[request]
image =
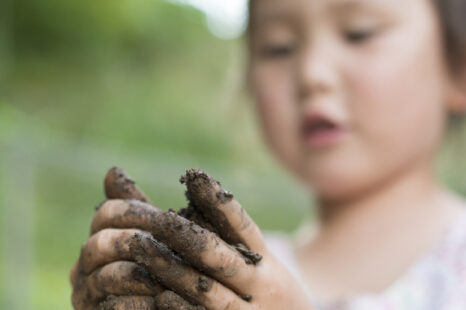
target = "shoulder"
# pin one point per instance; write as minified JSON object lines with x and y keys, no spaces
{"x":448,"y":263}
{"x":452,"y":249}
{"x":451,"y":252}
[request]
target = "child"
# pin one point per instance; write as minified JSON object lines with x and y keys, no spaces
{"x":354,"y":98}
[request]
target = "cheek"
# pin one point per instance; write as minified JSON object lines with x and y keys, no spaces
{"x":274,"y":95}
{"x":397,"y":101}
{"x":396,"y":105}
{"x":397,"y":110}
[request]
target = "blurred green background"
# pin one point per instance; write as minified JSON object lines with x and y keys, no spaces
{"x":142,"y":84}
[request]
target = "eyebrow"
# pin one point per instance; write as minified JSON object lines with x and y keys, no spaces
{"x":274,"y":17}
{"x":271,"y":18}
{"x":351,"y":5}
{"x":335,"y":7}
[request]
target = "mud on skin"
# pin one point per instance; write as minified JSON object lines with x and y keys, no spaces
{"x":201,"y":187}
{"x":191,"y":238}
{"x":205,"y":195}
{"x":118,"y":185}
{"x":171,"y":301}
{"x":128,"y":302}
{"x":168,"y":268}
{"x":192,"y":214}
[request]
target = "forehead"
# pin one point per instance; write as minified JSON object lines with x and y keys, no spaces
{"x":264,"y":10}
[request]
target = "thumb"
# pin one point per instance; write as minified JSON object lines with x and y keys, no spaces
{"x":220,"y":208}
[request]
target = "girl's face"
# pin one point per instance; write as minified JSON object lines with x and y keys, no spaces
{"x":350,"y":92}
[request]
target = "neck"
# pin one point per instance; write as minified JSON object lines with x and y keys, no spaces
{"x":363,"y":244}
{"x":405,"y":195}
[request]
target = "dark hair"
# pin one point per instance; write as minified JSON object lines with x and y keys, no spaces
{"x":452,"y":15}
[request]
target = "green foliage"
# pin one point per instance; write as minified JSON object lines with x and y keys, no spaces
{"x":137,"y":83}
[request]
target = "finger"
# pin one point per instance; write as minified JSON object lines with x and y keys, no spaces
{"x":225,"y":213}
{"x":74,"y":273}
{"x":118,"y":213}
{"x":173,"y":273}
{"x":105,"y":246}
{"x":204,"y":250}
{"x":118,"y":185}
{"x":200,"y":247}
{"x":192,"y":214}
{"x":128,"y":303}
{"x":122,"y":278}
{"x":124,"y":214}
{"x":168,"y":300}
{"x":118,"y":278}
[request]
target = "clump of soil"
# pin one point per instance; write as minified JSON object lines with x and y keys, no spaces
{"x":192,"y":214}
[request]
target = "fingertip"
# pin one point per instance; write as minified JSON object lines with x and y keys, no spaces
{"x":220,"y":208}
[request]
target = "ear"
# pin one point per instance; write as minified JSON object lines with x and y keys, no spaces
{"x":457,"y":92}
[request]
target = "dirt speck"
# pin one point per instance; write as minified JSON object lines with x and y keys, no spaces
{"x":247,"y":298}
{"x":250,"y":257}
{"x":224,"y":196}
{"x":204,"y":284}
{"x":168,"y":300}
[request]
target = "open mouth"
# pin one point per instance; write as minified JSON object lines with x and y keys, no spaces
{"x":320,"y":131}
{"x":319,"y":125}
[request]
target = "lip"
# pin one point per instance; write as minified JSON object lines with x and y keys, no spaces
{"x":320,"y":131}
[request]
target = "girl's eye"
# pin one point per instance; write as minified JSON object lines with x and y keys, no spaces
{"x":359,"y":36}
{"x":277,"y":51}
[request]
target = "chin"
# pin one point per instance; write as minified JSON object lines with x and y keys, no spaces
{"x":332,"y":190}
{"x":334,"y":183}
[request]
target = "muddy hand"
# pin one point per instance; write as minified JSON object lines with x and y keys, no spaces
{"x":92,"y":283}
{"x":103,"y":270}
{"x":144,"y":246}
{"x":268,"y":285}
{"x":192,"y":240}
{"x":227,"y":278}
{"x":107,"y":266}
{"x":219,"y":207}
{"x":118,"y":185}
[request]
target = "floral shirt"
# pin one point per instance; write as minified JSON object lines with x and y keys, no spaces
{"x":437,"y":281}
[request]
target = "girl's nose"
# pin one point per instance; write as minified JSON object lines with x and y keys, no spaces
{"x":316,"y":70}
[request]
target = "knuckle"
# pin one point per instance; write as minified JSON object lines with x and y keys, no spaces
{"x":248,"y":227}
{"x":230,"y":265}
{"x":102,"y":239}
{"x":102,"y":215}
{"x":107,"y":209}
{"x":232,"y":305}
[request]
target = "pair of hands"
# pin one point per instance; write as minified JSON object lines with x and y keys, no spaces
{"x":139,"y":257}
